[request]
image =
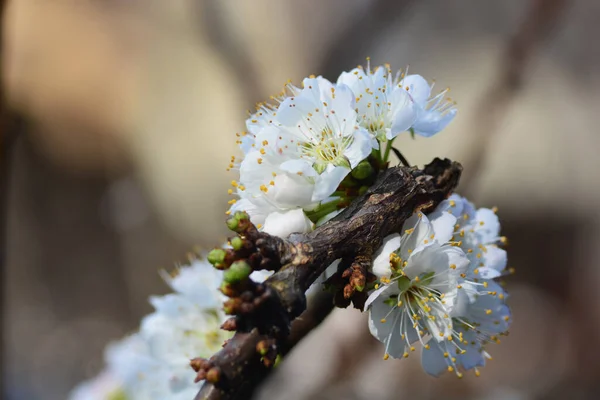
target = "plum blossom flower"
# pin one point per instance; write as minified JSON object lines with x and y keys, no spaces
{"x":384,"y":107}
{"x":153,"y":363}
{"x":311,"y":145}
{"x":436,"y":288}
{"x":298,"y":152}
{"x":477,"y":232}
{"x":285,"y":223}
{"x":419,"y":294}
{"x":103,"y":387}
{"x":391,"y":103}
{"x":433,"y":113}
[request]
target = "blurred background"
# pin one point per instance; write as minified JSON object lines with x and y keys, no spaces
{"x":118,"y":123}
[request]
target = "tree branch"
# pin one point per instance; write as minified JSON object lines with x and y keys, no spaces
{"x":263,"y":313}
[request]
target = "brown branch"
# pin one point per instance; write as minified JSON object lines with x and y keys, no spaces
{"x":264,"y":312}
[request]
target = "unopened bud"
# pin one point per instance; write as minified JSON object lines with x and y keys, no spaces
{"x":237,"y":243}
{"x":230,"y":307}
{"x":362,"y":190}
{"x":235,"y":223}
{"x":213,"y":375}
{"x":349,"y":182}
{"x":232,"y":224}
{"x":198,"y":363}
{"x":216,"y":256}
{"x":238,"y":272}
{"x":241,"y":215}
{"x":227,"y":290}
{"x":363,"y":170}
{"x":230,"y":324}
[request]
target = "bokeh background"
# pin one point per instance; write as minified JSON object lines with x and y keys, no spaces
{"x":118,"y":123}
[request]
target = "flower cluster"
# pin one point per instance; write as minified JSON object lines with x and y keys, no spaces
{"x":436,"y":287}
{"x":311,"y":151}
{"x":154,"y":363}
{"x":307,"y":155}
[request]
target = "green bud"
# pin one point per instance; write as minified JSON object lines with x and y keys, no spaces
{"x":363,"y":170}
{"x":237,"y":243}
{"x":349,"y":182}
{"x":227,"y":290}
{"x":262,"y":350}
{"x":216,"y":256}
{"x":239,"y":271}
{"x":240,"y":215}
{"x":363,"y":190}
{"x":232,"y":224}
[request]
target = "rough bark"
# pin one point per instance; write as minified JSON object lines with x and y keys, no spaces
{"x":264,"y":313}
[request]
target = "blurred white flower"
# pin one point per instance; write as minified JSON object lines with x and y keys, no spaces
{"x":103,"y":387}
{"x":154,"y":362}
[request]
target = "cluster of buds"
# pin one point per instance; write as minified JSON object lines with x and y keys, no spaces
{"x":351,"y":283}
{"x":249,"y":302}
{"x":206,"y":370}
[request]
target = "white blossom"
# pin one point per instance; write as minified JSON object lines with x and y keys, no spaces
{"x":477,"y":232}
{"x":433,"y":113}
{"x":435,"y":288}
{"x":153,"y":363}
{"x":420,"y":294}
{"x":105,"y":386}
{"x":384,"y":107}
{"x":285,"y":223}
{"x":303,"y":152}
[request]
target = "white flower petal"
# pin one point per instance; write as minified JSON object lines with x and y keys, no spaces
{"x":487,"y":225}
{"x":381,"y":260}
{"x":443,"y":225}
{"x":431,"y":122}
{"x":290,"y":191}
{"x":296,"y":166}
{"x":403,"y":112}
{"x":433,"y":360}
{"x":416,"y":231}
{"x":283,"y":224}
{"x":328,"y":181}
{"x":418,"y":88}
{"x":359,"y":149}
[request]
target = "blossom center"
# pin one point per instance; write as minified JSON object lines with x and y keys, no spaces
{"x":328,"y":149}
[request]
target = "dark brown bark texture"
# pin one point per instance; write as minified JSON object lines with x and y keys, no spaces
{"x":263,"y":328}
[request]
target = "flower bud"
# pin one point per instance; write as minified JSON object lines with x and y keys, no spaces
{"x":213,"y":375}
{"x":239,"y":271}
{"x":233,"y":223}
{"x":363,"y":170}
{"x":216,"y":256}
{"x":237,"y":243}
